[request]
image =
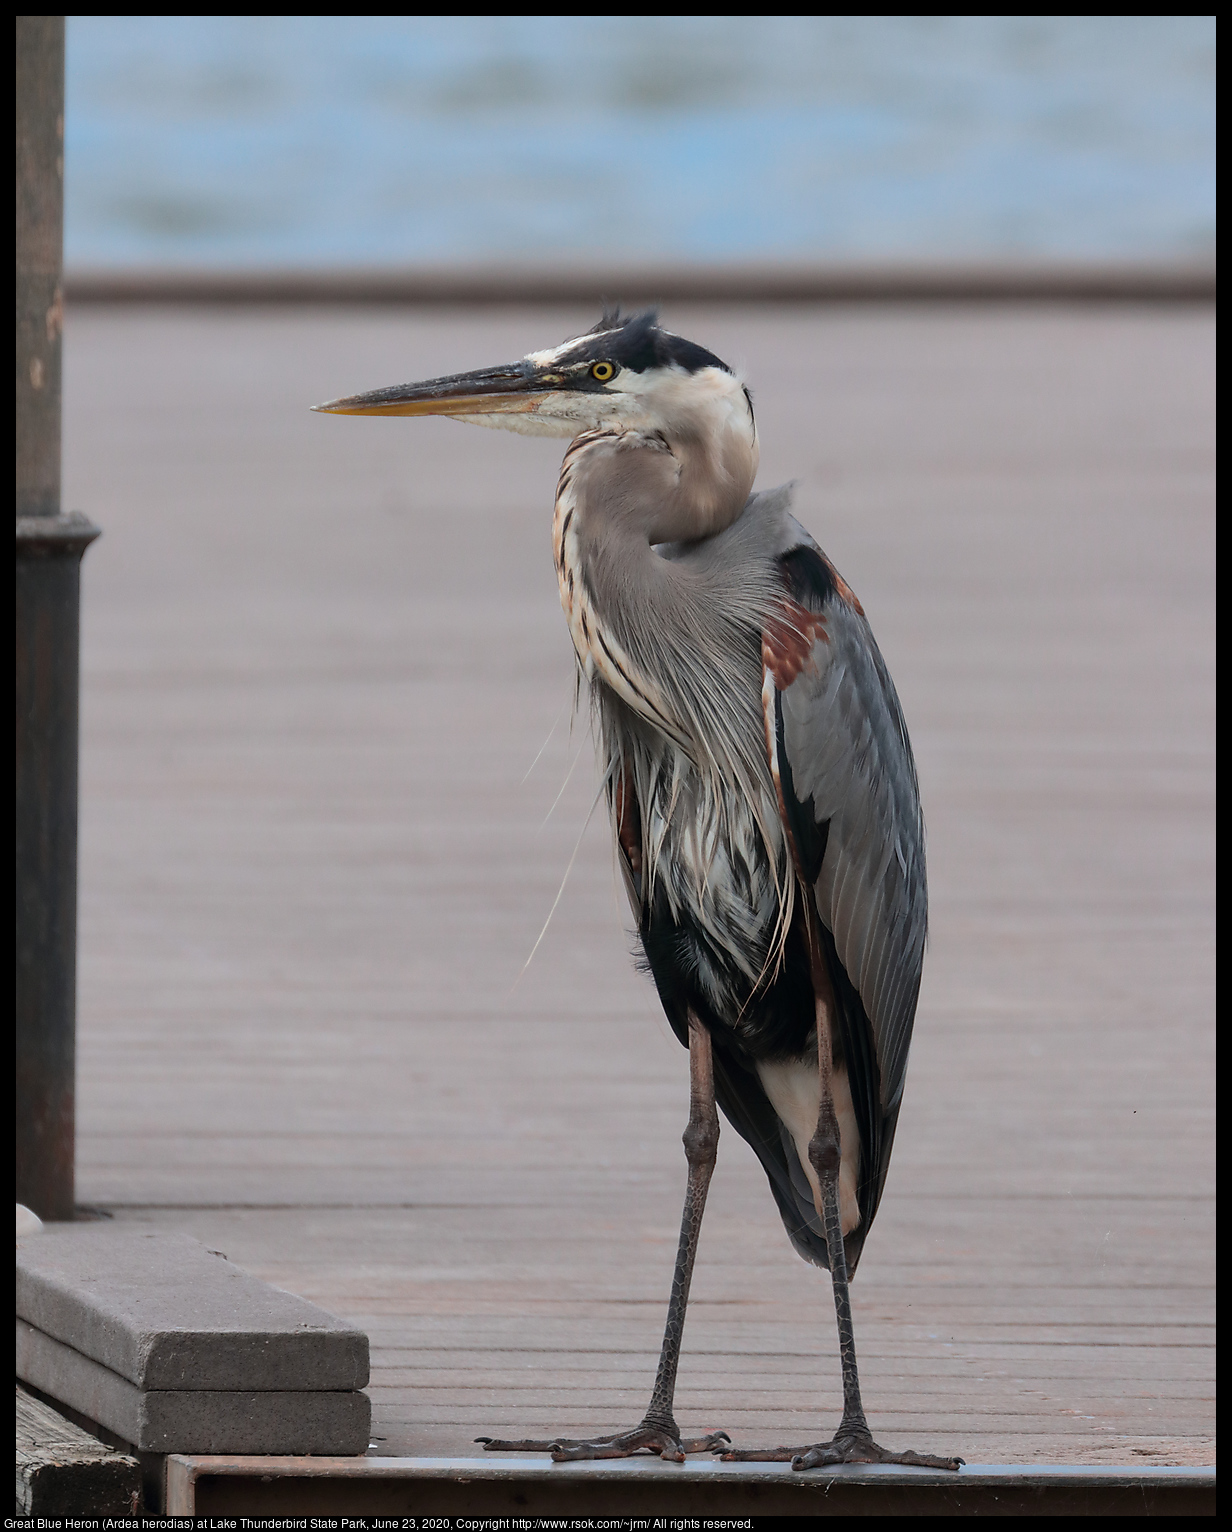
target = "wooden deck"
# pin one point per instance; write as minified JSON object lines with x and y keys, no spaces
{"x":320,"y":658}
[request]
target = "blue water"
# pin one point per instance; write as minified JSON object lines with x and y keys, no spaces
{"x":249,"y":141}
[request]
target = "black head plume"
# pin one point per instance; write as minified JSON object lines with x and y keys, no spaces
{"x":638,"y":343}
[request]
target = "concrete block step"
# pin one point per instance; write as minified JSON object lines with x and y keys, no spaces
{"x":194,"y":1420}
{"x":165,"y":1313}
{"x":171,"y":1348}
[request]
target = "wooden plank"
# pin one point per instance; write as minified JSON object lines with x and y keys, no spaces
{"x":319,"y":659}
{"x":63,"y":1470}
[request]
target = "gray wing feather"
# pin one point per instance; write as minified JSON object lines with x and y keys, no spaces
{"x":846,"y":744}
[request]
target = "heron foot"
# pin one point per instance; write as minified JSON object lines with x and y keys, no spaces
{"x":666,"y":1442}
{"x":845,"y":1447}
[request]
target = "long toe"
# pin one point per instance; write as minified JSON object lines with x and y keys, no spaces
{"x":642,"y":1439}
{"x":499,"y":1444}
{"x":552,"y":1443}
{"x":924,"y":1460}
{"x":758,"y":1454}
{"x":621,"y":1444}
{"x":715,"y":1442}
{"x":824,"y":1455}
{"x":863,"y":1449}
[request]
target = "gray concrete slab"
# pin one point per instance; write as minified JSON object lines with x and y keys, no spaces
{"x":205,"y":1420}
{"x":163,"y":1312}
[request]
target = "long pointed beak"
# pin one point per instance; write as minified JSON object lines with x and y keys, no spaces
{"x":517,"y":388}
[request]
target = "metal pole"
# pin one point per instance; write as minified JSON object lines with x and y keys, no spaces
{"x":49,"y":549}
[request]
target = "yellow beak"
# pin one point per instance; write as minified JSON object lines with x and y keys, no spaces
{"x":516,"y":389}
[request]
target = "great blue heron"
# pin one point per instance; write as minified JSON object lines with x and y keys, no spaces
{"x":762,"y":792}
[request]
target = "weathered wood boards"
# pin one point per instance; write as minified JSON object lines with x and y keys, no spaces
{"x":61,"y":1468}
{"x":320,"y":657}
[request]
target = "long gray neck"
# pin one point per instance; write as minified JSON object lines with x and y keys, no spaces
{"x":634,"y":490}
{"x":688,"y":623}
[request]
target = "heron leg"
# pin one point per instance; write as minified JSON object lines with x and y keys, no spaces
{"x":853,"y":1441}
{"x":658,"y":1431}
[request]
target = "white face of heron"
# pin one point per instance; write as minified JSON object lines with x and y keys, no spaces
{"x":703,"y":405}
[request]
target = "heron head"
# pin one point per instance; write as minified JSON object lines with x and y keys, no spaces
{"x":625,"y":372}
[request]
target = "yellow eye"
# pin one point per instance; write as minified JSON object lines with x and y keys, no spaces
{"x":602,"y":371}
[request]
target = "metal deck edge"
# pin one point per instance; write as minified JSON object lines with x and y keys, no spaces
{"x":184,"y":1471}
{"x":703,"y":1470}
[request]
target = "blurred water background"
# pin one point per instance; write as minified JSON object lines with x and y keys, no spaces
{"x":327,"y":141}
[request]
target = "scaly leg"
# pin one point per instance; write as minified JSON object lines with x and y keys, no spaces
{"x":853,"y":1441}
{"x":658,"y":1431}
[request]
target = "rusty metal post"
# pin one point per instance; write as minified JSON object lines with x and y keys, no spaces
{"x":49,"y":549}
